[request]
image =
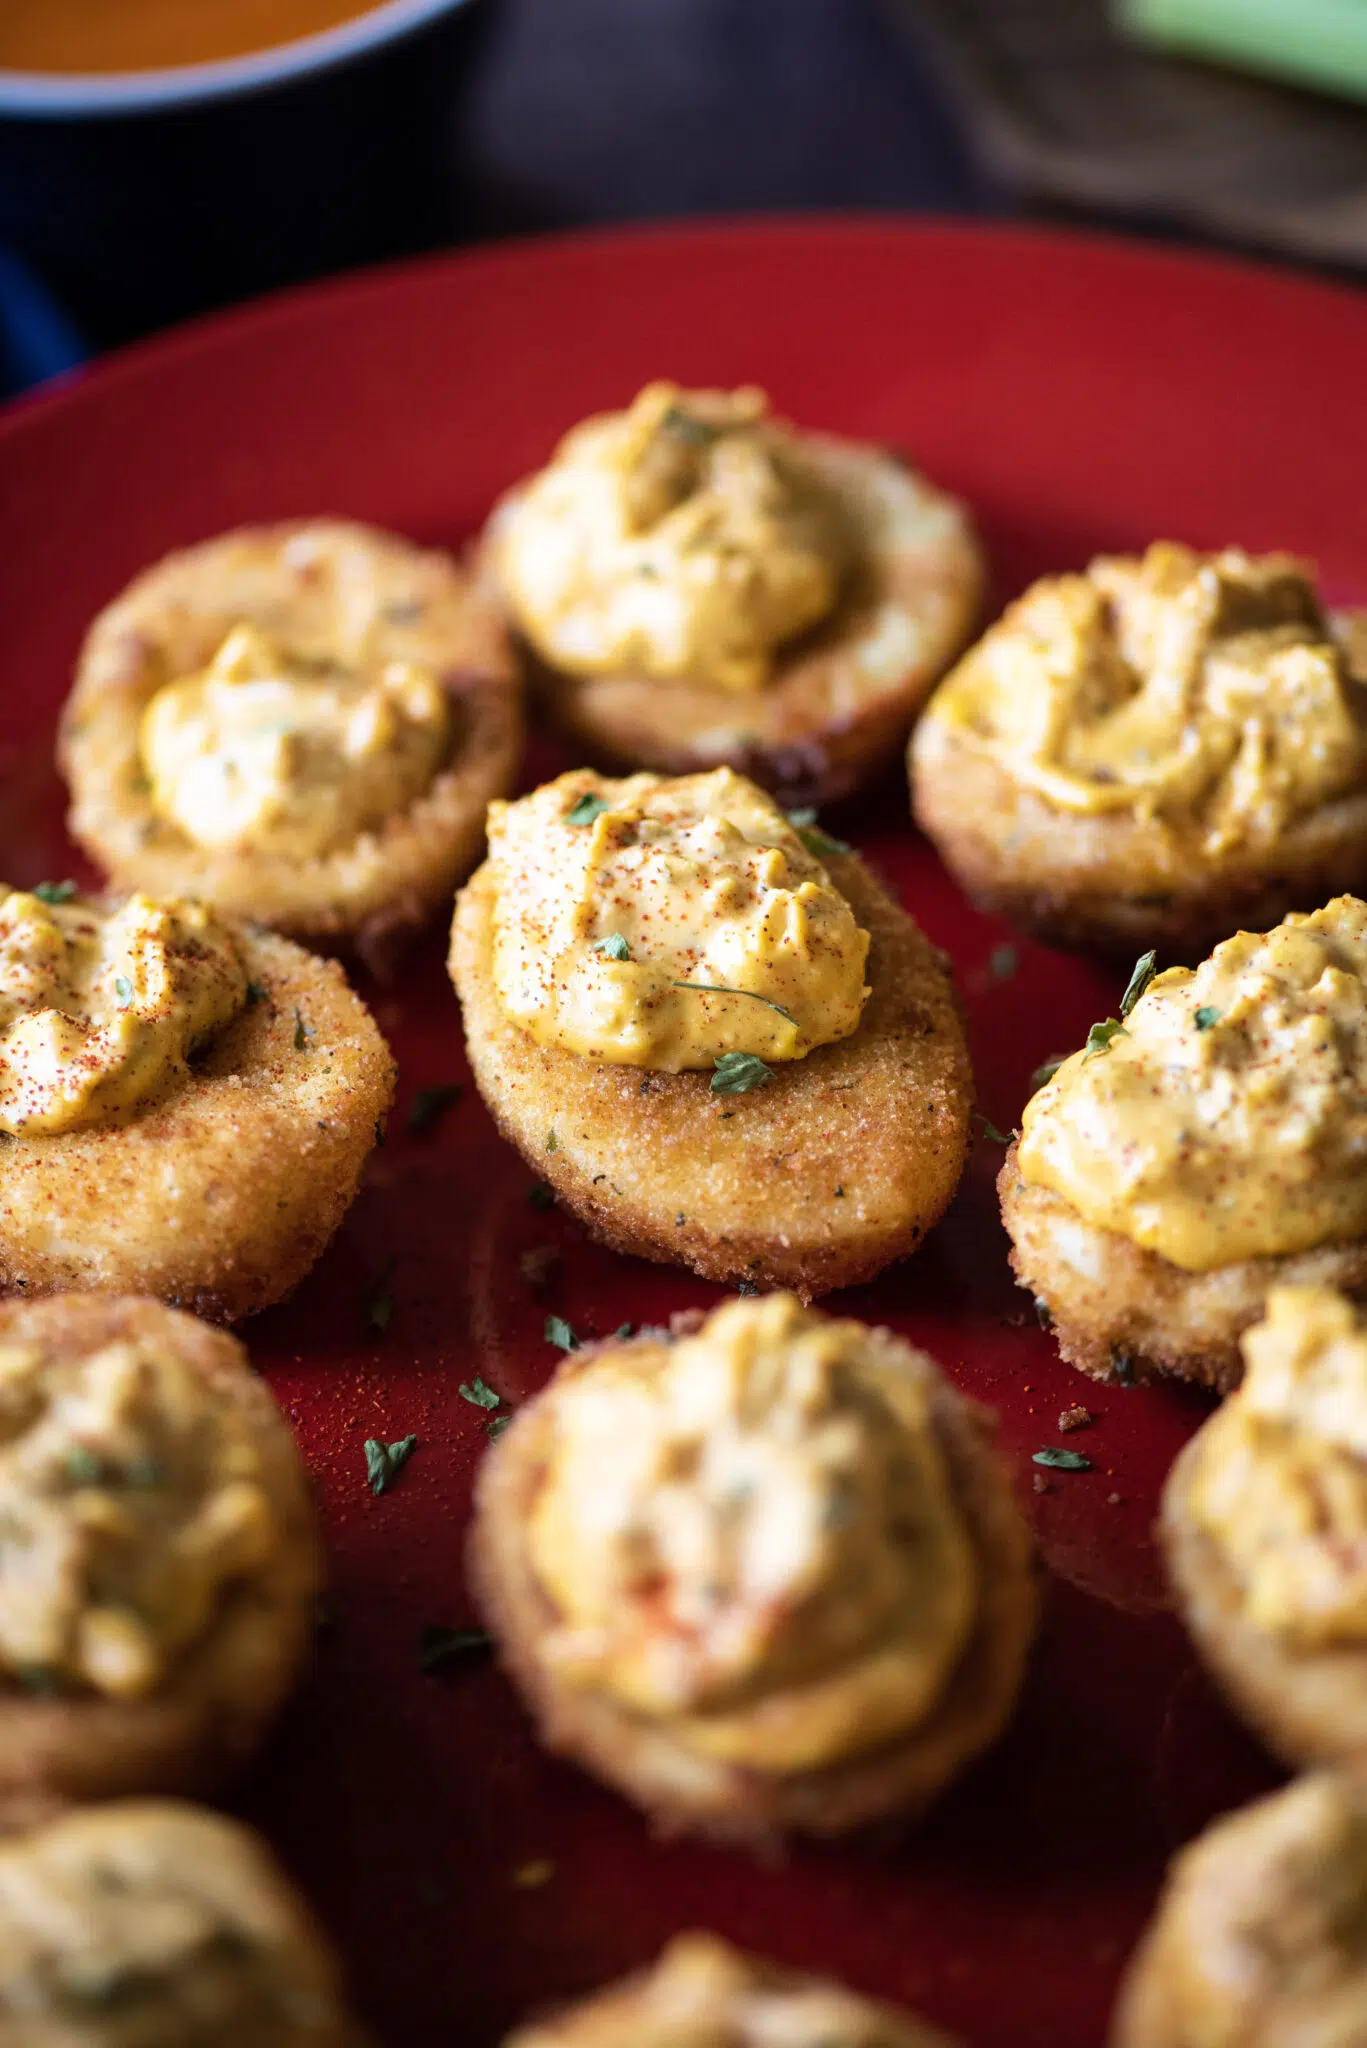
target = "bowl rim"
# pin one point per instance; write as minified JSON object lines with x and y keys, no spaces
{"x":57,"y":95}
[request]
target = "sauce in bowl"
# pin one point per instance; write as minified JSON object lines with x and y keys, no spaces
{"x":81,"y":36}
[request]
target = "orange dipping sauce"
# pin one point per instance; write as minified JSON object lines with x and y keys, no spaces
{"x":145,"y":35}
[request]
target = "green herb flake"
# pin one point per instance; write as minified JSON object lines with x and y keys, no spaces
{"x":255,"y":994}
{"x":717,"y":988}
{"x":54,"y":892}
{"x":497,"y":1424}
{"x":622,"y":1332}
{"x":1047,"y":1070}
{"x":540,"y":1196}
{"x":812,"y":836}
{"x":384,"y":1462}
{"x":430,"y":1105}
{"x":614,"y":947}
{"x":736,"y":1073}
{"x":1060,"y":1460}
{"x":123,"y":991}
{"x":585,"y":810}
{"x":684,"y":427}
{"x":1100,"y":1036}
{"x":1003,"y":962}
{"x":302,"y":1033}
{"x":558,"y":1332}
{"x":552,"y":1142}
{"x":478,"y":1393}
{"x":991,"y":1133}
{"x":439,"y":1646}
{"x":83,"y":1468}
{"x":1205,"y":1017}
{"x":1143,"y":974}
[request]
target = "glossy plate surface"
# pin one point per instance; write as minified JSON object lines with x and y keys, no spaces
{"x":1082,"y":395}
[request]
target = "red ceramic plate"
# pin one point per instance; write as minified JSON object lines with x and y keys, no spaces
{"x":1082,"y":395}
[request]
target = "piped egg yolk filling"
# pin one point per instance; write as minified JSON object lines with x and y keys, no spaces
{"x":129,"y":1498}
{"x":271,"y":753}
{"x":1281,"y":1479}
{"x":685,"y":538}
{"x":101,"y":1009}
{"x":662,"y":924}
{"x":750,"y":1534}
{"x":1205,"y":690}
{"x":1227,"y":1120}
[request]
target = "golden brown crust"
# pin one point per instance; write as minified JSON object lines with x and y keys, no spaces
{"x":1116,"y":881}
{"x":1120,"y":1312}
{"x":220,"y":1196}
{"x":839,"y":1165}
{"x":687,"y":1793}
{"x":368,"y":896}
{"x":825,"y":725}
{"x":69,"y":1747}
{"x":725,"y":1996}
{"x":1309,"y":1706}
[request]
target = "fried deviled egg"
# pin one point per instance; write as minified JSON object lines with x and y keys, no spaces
{"x":701,"y":1993}
{"x":1260,"y":1938}
{"x":696,"y":583}
{"x":185,"y":1104}
{"x":301,"y":724}
{"x":1208,"y":1145}
{"x":1152,"y":753}
{"x":764,"y":1574}
{"x":160,"y":1563}
{"x":1264,"y":1525}
{"x":148,"y":1924}
{"x":722,"y":1048}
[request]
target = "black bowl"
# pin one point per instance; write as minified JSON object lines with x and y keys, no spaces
{"x":142,"y":197}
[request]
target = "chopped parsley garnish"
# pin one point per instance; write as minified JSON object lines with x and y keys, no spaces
{"x":478,"y":1393}
{"x":123,"y":991}
{"x":438,"y":1646}
{"x":83,"y":1468}
{"x":430,"y":1105}
{"x":685,"y":428}
{"x":622,"y":1332}
{"x":717,"y":988}
{"x":558,"y":1332}
{"x":301,"y":1032}
{"x":1100,"y":1036}
{"x":614,"y":947}
{"x":736,"y":1073}
{"x":990,"y":1131}
{"x":585,"y":810}
{"x":1205,"y":1017}
{"x":1047,"y":1071}
{"x":1003,"y":962}
{"x":384,"y":1462}
{"x":813,"y":838}
{"x":255,"y":994}
{"x":552,"y":1142}
{"x":54,"y":892}
{"x":540,"y":1196}
{"x":497,"y":1424}
{"x":1062,"y":1461}
{"x":1139,"y":980}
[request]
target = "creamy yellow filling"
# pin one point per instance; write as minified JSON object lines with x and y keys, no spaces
{"x":1281,"y":1479}
{"x":264,"y":751}
{"x":100,"y":1009}
{"x":1228,"y":1120}
{"x":687,"y":537}
{"x":661,"y":924}
{"x":1200,"y":689}
{"x":129,"y":1497}
{"x":750,"y":1534}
